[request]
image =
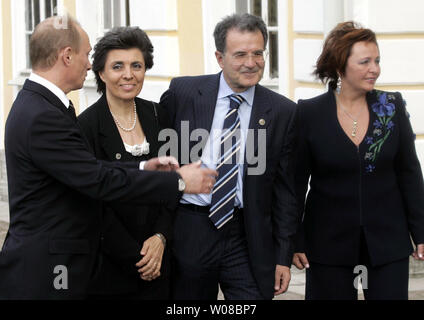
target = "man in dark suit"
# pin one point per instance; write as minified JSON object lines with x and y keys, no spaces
{"x":54,"y":181}
{"x":238,"y":236}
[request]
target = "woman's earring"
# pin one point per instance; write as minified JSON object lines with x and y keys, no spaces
{"x":339,"y":85}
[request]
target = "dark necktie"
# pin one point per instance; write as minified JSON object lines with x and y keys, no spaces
{"x":71,"y":111}
{"x":224,"y":191}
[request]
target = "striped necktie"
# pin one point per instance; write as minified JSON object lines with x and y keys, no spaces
{"x":224,"y":191}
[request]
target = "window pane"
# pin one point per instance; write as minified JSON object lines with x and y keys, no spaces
{"x":127,"y":13}
{"x":116,"y":13}
{"x":36,"y":12}
{"x":28,"y":62}
{"x":256,"y":7}
{"x":51,"y":8}
{"x":28,"y":15}
{"x":48,"y":10}
{"x":107,"y":13}
{"x":272,"y":13}
{"x":273,"y":55}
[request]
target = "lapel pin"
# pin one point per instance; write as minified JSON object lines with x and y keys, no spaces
{"x":262,"y":122}
{"x":118,"y":156}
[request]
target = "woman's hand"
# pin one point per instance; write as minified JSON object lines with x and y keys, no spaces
{"x":162,"y":164}
{"x":418,"y":254}
{"x":300,"y":261}
{"x":152,"y":252}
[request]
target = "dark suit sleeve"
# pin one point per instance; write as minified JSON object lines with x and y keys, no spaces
{"x":121,"y":164}
{"x":118,"y":244}
{"x":164,"y":221}
{"x":303,"y":172}
{"x":285,"y":208}
{"x":410,"y":176}
{"x":56,"y":147}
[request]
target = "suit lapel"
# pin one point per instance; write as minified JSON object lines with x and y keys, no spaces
{"x":205,"y":103}
{"x":260,"y":117}
{"x":110,"y":139}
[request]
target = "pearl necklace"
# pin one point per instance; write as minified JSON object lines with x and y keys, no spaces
{"x":120,"y":126}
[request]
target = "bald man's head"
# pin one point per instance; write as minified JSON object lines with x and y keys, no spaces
{"x":49,"y":37}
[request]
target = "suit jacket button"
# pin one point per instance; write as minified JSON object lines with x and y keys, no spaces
{"x":118,"y":156}
{"x":262,"y":122}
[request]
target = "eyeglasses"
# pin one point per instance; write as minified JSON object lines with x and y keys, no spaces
{"x":241,"y":57}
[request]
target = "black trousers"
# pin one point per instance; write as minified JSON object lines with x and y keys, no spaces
{"x":205,"y":257}
{"x":385,"y":282}
{"x":158,"y":289}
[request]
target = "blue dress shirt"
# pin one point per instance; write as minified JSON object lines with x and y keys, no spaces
{"x":212,"y":148}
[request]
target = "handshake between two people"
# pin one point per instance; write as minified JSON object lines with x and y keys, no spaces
{"x":196,"y":178}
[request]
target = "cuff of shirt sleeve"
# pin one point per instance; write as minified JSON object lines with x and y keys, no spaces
{"x":141,"y":166}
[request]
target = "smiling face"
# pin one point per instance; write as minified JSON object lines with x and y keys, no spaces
{"x":123,"y":73}
{"x":242,"y":62}
{"x":362,"y":68}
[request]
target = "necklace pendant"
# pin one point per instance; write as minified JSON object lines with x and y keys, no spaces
{"x":355,"y":128}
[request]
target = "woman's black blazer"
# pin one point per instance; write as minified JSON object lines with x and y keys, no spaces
{"x":376,"y":187}
{"x":125,"y":227}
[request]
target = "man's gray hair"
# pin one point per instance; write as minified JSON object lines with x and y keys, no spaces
{"x":245,"y":22}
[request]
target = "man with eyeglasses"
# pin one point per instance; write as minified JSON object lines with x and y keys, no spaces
{"x":239,"y":235}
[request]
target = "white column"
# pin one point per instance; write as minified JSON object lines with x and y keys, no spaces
{"x":154,"y":15}
{"x":333,"y":14}
{"x":358,"y":11}
{"x":213,"y":12}
{"x":283,"y":47}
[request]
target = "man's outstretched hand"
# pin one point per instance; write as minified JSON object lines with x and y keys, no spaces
{"x":197,"y":179}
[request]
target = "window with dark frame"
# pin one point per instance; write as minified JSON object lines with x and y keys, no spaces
{"x":268,"y":11}
{"x":113,"y":15}
{"x":36,"y":11}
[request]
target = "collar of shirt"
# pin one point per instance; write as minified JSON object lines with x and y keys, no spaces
{"x":50,"y":86}
{"x":225,"y":90}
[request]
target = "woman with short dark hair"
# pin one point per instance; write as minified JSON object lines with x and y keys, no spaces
{"x":366,"y":194}
{"x":122,"y":127}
